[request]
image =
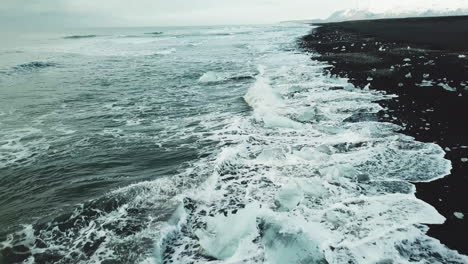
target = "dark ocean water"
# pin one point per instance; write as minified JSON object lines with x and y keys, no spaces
{"x":195,"y":145}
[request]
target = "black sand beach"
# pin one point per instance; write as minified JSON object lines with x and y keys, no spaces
{"x":425,"y":62}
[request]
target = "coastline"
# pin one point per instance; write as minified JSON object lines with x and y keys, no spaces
{"x":424,"y":62}
{"x":259,"y":157}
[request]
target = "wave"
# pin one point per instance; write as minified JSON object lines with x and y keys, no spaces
{"x":157,"y":33}
{"x":11,"y":52}
{"x":165,"y":52}
{"x":308,"y":177}
{"x":144,"y":35}
{"x":267,"y":103}
{"x":217,"y":77}
{"x":194,"y":44}
{"x":105,"y":229}
{"x":19,"y":146}
{"x":228,"y":32}
{"x":129,"y":36}
{"x":327,"y":191}
{"x":80,"y":36}
{"x":34,"y":65}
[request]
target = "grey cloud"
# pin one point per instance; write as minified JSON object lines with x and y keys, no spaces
{"x":170,"y":12}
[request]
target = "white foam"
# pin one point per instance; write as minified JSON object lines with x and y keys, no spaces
{"x":267,"y":103}
{"x":289,"y":196}
{"x":303,"y":185}
{"x":20,"y":146}
{"x":228,"y":238}
{"x":261,"y":96}
{"x":166,"y":51}
{"x":134,"y":122}
{"x":301,"y":178}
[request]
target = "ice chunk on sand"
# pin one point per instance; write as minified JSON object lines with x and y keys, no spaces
{"x":459,"y":215}
{"x":426,"y":83}
{"x":447,"y":87}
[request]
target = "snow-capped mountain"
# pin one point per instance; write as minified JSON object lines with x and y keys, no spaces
{"x":363,"y":14}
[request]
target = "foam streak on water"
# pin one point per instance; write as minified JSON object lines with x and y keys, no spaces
{"x":292,"y":165}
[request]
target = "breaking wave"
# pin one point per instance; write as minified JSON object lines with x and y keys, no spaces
{"x":309,"y":175}
{"x":297,"y":183}
{"x":218,"y":77}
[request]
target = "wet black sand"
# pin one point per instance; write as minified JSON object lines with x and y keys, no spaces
{"x":413,"y":58}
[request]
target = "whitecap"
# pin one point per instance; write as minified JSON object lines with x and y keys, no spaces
{"x":165,"y":51}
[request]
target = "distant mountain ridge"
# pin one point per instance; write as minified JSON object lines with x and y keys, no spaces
{"x":365,"y":14}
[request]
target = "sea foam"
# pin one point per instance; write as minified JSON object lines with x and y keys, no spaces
{"x":300,"y":172}
{"x":304,"y":185}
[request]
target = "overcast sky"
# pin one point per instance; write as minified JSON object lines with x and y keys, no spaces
{"x":188,"y":12}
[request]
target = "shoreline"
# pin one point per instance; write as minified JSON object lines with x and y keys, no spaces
{"x":424,"y":61}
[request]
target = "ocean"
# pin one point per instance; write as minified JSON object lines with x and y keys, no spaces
{"x":224,"y":144}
